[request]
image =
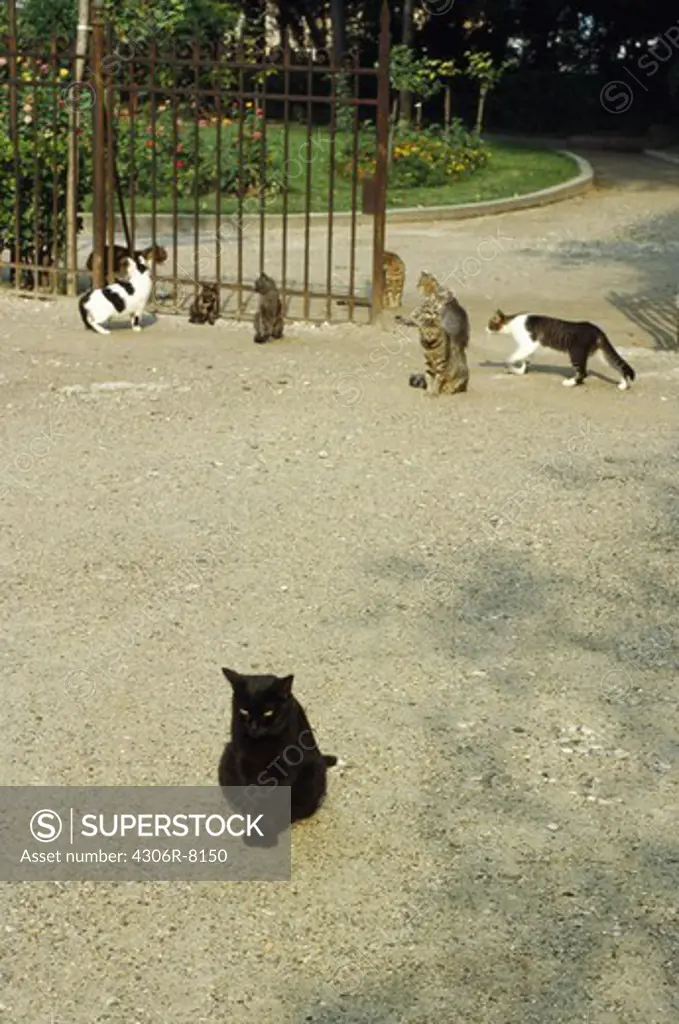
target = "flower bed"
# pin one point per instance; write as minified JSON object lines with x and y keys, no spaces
{"x":423,"y":157}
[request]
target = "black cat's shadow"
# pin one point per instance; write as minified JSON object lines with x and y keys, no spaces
{"x":547,"y":368}
{"x":253,"y":804}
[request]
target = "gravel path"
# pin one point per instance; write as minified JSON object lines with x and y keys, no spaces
{"x":477,"y":596}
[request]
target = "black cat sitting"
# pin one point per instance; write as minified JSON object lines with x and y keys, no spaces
{"x":272,"y":743}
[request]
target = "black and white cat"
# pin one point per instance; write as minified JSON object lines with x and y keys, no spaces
{"x":272,"y":743}
{"x":122,"y":297}
{"x":579,"y":340}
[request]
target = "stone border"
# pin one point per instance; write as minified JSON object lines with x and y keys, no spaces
{"x":576,"y":186}
{"x":659,"y":154}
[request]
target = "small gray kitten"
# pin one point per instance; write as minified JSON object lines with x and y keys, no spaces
{"x":269,"y":315}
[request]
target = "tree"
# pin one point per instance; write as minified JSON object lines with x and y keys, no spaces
{"x":422,"y":76}
{"x":406,"y":97}
{"x":487,"y":74}
{"x":339,"y":31}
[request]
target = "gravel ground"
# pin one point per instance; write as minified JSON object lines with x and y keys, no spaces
{"x":477,"y":596}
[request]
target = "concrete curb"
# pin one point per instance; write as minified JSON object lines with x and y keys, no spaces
{"x":576,"y":186}
{"x":658,"y":154}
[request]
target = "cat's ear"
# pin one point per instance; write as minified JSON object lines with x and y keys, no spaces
{"x":285,"y":686}
{"x":234,"y":678}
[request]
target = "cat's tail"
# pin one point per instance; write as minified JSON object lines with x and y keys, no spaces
{"x":83,"y":314}
{"x":615,"y":360}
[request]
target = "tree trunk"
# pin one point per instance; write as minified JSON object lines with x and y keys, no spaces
{"x":406,"y":97}
{"x":73,"y":128}
{"x":339,"y":30}
{"x":483,"y":92}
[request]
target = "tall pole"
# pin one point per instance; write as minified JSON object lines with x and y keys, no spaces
{"x":380,"y":208}
{"x":14,"y":133}
{"x":75,"y":95}
{"x":99,"y":155}
{"x":406,"y":97}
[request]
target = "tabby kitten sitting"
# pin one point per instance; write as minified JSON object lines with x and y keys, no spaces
{"x":444,"y":336}
{"x":394,"y":278}
{"x":578,"y":339}
{"x":272,"y":743}
{"x":205,"y":307}
{"x":394,"y":270}
{"x":269,"y":315}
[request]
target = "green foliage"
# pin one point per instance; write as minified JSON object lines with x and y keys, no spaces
{"x":481,"y":67}
{"x":38,"y":20}
{"x":423,"y":76}
{"x":344,"y":111}
{"x":43,"y":135}
{"x":136,"y":20}
{"x":423,"y":156}
{"x":192,"y":164}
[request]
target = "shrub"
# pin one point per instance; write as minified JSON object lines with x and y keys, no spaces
{"x":194,"y":167}
{"x":427,"y":157}
{"x":43,"y":134}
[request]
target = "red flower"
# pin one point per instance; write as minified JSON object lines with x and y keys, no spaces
{"x":179,"y":163}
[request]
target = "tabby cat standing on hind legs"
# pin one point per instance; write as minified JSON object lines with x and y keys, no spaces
{"x":269,"y":317}
{"x":579,"y":340}
{"x":444,"y":335}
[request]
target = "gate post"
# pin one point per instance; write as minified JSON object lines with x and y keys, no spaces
{"x":99,"y":151}
{"x":381,"y":170}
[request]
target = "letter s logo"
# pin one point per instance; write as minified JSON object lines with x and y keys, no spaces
{"x":46,"y":826}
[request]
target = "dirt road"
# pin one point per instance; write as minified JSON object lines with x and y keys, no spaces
{"x":477,"y":596}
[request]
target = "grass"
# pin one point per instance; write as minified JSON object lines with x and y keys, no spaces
{"x":510,"y":171}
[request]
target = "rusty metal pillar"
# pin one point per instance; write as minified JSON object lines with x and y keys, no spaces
{"x":380,"y":194}
{"x":99,"y":151}
{"x":14,"y":135}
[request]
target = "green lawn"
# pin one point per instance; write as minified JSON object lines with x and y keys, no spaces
{"x":510,"y":171}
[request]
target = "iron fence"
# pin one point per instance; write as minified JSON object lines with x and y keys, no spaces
{"x":232,"y":166}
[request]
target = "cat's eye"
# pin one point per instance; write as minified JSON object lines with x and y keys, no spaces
{"x":268,"y":714}
{"x":244,"y":712}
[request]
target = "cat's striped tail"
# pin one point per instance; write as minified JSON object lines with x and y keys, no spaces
{"x":81,"y":306}
{"x":615,"y":361}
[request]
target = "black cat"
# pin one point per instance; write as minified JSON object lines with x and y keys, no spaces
{"x":272,"y":743}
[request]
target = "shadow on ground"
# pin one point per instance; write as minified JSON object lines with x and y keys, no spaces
{"x":556,"y":850}
{"x":650,"y":248}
